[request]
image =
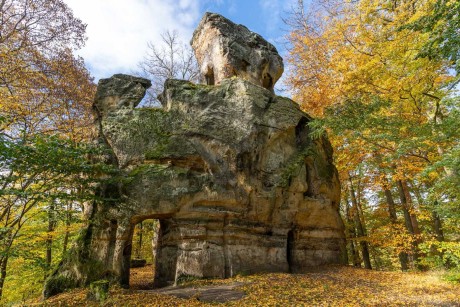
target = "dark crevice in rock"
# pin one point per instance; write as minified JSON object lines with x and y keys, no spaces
{"x":209,"y":76}
{"x":244,"y":162}
{"x":267,"y":81}
{"x":309,"y":179}
{"x":244,"y":65}
{"x":290,"y":250}
{"x":302,"y":132}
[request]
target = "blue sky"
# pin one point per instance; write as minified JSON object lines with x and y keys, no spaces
{"x":263,"y":17}
{"x":118,"y":30}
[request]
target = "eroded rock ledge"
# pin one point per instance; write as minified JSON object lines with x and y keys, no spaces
{"x":230,"y":170}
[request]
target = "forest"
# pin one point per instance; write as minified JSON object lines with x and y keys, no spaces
{"x":380,"y":77}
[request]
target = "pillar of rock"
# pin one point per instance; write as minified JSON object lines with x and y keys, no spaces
{"x":224,"y":49}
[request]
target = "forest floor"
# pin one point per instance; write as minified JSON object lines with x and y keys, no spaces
{"x":326,"y":286}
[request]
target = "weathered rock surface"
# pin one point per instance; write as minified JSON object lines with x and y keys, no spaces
{"x":120,"y":91}
{"x":224,"y":49}
{"x":234,"y":177}
{"x":208,"y":294}
{"x":230,"y":170}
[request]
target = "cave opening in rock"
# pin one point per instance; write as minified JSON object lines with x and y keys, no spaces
{"x":142,"y":254}
{"x":209,"y":76}
{"x":244,"y":65}
{"x":267,"y":81}
{"x":302,"y":133}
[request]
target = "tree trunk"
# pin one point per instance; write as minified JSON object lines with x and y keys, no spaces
{"x":437,"y":223}
{"x":410,"y":207}
{"x":391,"y":205}
{"x":68,"y":220}
{"x":3,"y":265}
{"x":403,"y":258}
{"x":49,"y":237}
{"x":408,"y":217}
{"x":139,"y":242}
{"x":405,"y":208}
{"x":155,"y":238}
{"x":359,"y":227}
{"x":351,"y":233}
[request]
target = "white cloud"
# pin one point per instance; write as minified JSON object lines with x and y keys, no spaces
{"x":271,"y":9}
{"x":232,"y":7}
{"x":118,"y":30}
{"x":275,"y":28}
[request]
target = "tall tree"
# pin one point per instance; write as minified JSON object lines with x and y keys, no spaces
{"x":33,"y":35}
{"x":37,"y":174}
{"x":350,"y":231}
{"x":45,"y":111}
{"x":359,"y":223}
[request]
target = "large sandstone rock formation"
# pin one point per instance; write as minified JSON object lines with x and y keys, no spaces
{"x":232,"y":173}
{"x":224,"y":49}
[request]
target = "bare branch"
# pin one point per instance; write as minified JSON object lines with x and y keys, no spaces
{"x":172,"y":59}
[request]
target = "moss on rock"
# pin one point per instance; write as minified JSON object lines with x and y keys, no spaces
{"x":58,"y":284}
{"x":98,"y":290}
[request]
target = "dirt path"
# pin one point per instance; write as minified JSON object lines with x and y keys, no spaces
{"x":141,"y":279}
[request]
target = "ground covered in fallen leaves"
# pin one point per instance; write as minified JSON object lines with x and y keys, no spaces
{"x":326,"y":286}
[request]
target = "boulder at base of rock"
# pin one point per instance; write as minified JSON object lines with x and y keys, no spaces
{"x":98,"y":291}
